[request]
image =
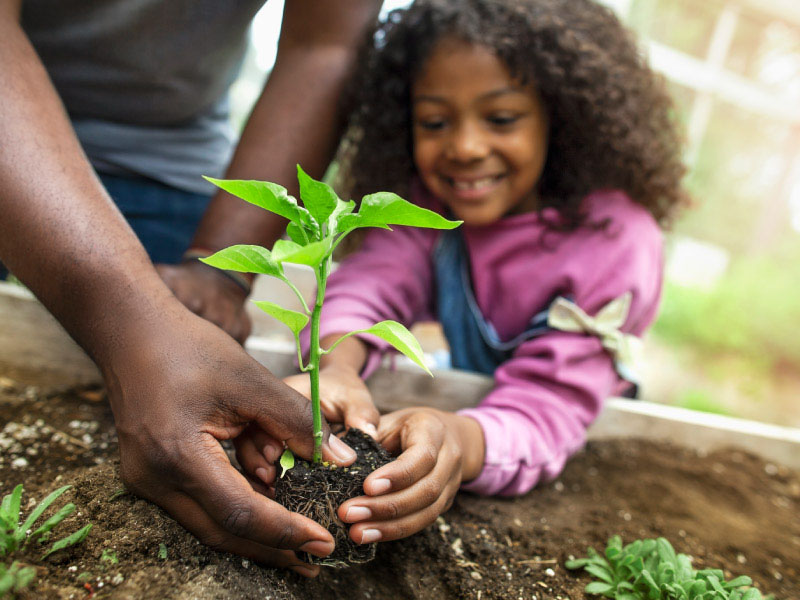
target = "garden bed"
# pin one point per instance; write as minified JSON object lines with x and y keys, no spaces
{"x":727,"y":508}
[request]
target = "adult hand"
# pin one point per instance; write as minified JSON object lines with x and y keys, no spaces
{"x":439,"y":451}
{"x":179,"y":387}
{"x":208,"y":293}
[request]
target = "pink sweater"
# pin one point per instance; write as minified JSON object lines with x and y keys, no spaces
{"x":553,"y":387}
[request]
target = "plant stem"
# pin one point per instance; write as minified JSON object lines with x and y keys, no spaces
{"x":313,"y":360}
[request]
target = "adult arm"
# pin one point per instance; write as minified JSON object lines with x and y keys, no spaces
{"x":177,"y":385}
{"x":295,"y":121}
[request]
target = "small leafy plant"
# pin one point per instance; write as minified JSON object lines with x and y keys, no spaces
{"x":315,"y":230}
{"x":651,"y":570}
{"x":16,"y":536}
{"x":15,"y":578}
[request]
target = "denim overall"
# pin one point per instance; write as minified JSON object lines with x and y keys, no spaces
{"x":474,"y":342}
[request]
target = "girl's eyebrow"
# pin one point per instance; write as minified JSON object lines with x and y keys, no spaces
{"x":486,"y":96}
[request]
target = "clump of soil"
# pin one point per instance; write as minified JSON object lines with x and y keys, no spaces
{"x":728,"y":509}
{"x":317,"y":490}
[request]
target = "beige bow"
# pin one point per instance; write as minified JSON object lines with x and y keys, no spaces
{"x":624,"y":348}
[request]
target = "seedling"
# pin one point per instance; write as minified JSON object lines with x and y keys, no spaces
{"x":110,"y":557}
{"x":15,"y":536}
{"x":315,"y":230}
{"x":15,"y":578}
{"x":650,"y":569}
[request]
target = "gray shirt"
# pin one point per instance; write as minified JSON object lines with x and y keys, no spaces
{"x":145,"y":81}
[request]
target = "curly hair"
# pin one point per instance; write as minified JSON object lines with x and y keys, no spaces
{"x":611,"y":120}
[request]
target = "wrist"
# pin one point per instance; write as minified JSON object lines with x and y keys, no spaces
{"x":473,"y":446}
{"x":348,"y":356}
{"x":242,"y":281}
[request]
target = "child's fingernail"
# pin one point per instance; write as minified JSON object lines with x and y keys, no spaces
{"x":263,"y":475}
{"x":357,"y":513}
{"x":380,"y":486}
{"x":371,"y":430}
{"x":318,"y":548}
{"x":370,"y":535}
{"x":272,"y":452}
{"x":341,"y":450}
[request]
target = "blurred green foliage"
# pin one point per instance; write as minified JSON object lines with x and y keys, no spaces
{"x":752,"y":313}
{"x":701,"y":400}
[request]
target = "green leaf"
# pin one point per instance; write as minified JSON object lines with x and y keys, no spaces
{"x":7,"y":543}
{"x":48,"y":525}
{"x":24,"y":576}
{"x":245,"y":259}
{"x":600,"y":572}
{"x":665,"y":551}
{"x":75,"y":538}
{"x":577,"y":563}
{"x":385,"y":208}
{"x":292,"y":319}
{"x":162,"y":551}
{"x":109,"y":556}
{"x":7,"y":581}
{"x":9,"y":508}
{"x":752,"y":594}
{"x":318,"y":197}
{"x":737,"y":582}
{"x":287,"y":461}
{"x":399,"y":337}
{"x":598,"y":587}
{"x":297,"y":234}
{"x":312,"y":254}
{"x":269,"y":196}
{"x":43,"y":506}
{"x":342,"y":208}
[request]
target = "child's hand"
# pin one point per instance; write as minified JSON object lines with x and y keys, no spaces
{"x":344,"y":398}
{"x":439,"y":451}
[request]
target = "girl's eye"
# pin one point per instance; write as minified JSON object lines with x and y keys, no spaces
{"x":503,"y":119}
{"x":431,"y":124}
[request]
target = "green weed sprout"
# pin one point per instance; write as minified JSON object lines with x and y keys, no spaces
{"x":315,"y":229}
{"x":15,"y":536}
{"x":650,"y":569}
{"x":15,"y":578}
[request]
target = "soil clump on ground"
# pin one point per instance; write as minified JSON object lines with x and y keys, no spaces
{"x":728,"y":509}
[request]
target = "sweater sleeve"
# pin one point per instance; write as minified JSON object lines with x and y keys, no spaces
{"x":389,"y":277}
{"x":554,"y":386}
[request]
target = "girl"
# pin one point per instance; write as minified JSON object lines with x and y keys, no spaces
{"x":538,"y":124}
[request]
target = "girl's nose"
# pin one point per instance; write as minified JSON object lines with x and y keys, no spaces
{"x":466,"y":144}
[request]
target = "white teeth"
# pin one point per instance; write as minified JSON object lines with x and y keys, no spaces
{"x":473,"y":185}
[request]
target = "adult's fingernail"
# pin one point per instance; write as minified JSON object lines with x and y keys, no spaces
{"x":318,"y":548}
{"x":341,"y":450}
{"x":370,"y":535}
{"x":357,"y":513}
{"x":306,"y":570}
{"x":370,"y":430}
{"x":380,"y":486}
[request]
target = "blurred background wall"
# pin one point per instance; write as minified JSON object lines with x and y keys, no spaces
{"x":728,"y":336}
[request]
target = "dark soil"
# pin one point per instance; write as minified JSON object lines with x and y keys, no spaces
{"x":317,"y":491}
{"x":728,"y":509}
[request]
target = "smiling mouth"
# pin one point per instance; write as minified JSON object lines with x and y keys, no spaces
{"x":472,"y":185}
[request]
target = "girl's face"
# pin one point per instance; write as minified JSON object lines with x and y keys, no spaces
{"x":480,"y":138}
